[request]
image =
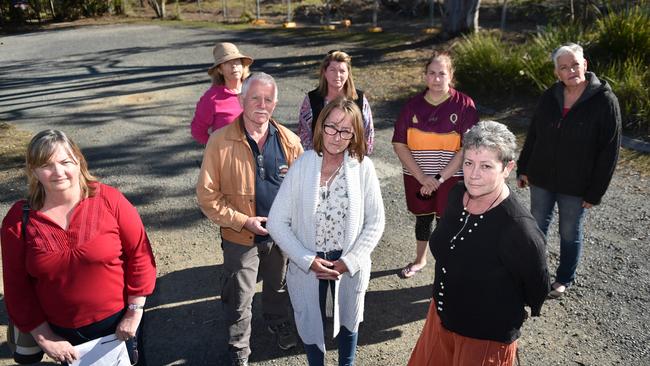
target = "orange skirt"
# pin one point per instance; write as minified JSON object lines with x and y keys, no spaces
{"x":438,"y":346}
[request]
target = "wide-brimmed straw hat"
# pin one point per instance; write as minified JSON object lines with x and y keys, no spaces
{"x":224,"y":52}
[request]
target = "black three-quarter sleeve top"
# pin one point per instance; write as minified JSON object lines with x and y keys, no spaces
{"x":488,"y":267}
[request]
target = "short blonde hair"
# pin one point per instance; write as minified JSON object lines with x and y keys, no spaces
{"x":40,"y":151}
{"x":358,"y":146}
{"x":339,"y":56}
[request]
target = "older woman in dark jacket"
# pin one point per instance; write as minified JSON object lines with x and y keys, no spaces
{"x":570,"y":154}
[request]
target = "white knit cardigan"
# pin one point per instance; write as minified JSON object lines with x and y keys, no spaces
{"x":292,"y":226}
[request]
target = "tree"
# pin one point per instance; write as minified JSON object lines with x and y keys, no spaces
{"x":159,"y":7}
{"x":460,"y":16}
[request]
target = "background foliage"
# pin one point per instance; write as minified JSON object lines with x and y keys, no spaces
{"x":617,"y":48}
{"x":499,"y":64}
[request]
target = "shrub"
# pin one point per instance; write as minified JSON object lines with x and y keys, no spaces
{"x":537,"y":62}
{"x":486,"y":65}
{"x":623,"y":35}
{"x":629,"y":80}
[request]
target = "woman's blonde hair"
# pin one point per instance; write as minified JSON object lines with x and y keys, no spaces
{"x":358,"y":147}
{"x":40,"y":151}
{"x":218,"y":79}
{"x":348,"y":88}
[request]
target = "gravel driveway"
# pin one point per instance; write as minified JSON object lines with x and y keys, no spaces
{"x":126,"y":94}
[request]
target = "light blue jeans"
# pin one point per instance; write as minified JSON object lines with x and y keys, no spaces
{"x":571,"y":221}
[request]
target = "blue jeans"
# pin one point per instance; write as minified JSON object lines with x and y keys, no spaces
{"x":347,"y":348}
{"x":347,"y":340}
{"x":571,"y":222}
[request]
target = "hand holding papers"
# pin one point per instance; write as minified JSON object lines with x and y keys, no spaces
{"x":105,"y":351}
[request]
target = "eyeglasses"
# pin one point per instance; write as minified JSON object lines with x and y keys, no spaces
{"x":332,"y":131}
{"x":260,"y":164}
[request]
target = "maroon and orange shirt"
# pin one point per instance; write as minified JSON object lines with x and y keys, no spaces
{"x":434,"y":133}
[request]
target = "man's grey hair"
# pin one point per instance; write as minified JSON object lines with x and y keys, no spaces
{"x":494,"y":136}
{"x":568,"y":49}
{"x":262,"y":78}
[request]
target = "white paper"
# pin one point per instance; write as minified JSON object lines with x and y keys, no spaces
{"x":105,"y":351}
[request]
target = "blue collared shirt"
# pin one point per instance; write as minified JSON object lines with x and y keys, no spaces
{"x":271,"y":167}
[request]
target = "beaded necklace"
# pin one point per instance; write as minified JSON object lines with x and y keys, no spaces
{"x":467,"y":215}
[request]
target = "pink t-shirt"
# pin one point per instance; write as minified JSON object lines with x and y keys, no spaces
{"x":217,"y":108}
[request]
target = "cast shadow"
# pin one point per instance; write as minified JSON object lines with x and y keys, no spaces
{"x":184,"y":322}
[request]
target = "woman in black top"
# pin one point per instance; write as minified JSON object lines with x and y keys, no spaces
{"x":490,"y":261}
{"x":570,"y":154}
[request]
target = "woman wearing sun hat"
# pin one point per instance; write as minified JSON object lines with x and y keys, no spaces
{"x":219,"y":105}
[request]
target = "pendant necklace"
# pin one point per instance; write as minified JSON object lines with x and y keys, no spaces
{"x":324,"y":189}
{"x":467,"y":215}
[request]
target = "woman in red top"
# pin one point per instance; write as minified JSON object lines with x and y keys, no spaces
{"x":85,"y":265}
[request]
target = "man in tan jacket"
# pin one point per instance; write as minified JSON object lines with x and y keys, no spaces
{"x":243,"y":166}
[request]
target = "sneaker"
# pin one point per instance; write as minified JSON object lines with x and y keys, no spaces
{"x":557,"y":291}
{"x":284,"y":335}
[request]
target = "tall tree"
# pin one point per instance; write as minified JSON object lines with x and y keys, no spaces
{"x":460,"y":16}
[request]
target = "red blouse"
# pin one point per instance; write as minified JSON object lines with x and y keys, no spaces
{"x":75,"y":277}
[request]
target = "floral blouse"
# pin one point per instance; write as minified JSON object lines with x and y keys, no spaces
{"x":331,"y":214}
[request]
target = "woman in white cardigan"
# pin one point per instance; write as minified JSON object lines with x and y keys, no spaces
{"x":328,"y":217}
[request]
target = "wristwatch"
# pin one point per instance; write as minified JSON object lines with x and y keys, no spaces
{"x":439,"y":178}
{"x":135,"y":307}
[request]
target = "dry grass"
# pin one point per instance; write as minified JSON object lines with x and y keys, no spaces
{"x":13,"y":142}
{"x":635,"y":160}
{"x":399,"y":74}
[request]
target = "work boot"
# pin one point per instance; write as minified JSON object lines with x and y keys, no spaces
{"x":284,"y":335}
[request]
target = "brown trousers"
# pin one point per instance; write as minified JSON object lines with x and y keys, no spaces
{"x":243,"y":267}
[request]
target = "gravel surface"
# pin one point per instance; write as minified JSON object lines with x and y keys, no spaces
{"x":126,"y":94}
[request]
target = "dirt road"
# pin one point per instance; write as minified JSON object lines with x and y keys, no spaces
{"x":126,"y":94}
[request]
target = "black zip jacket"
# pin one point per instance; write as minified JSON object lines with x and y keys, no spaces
{"x":576,"y":154}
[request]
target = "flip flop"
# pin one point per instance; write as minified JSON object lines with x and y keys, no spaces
{"x":408,"y":271}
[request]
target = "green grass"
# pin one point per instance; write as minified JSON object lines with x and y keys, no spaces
{"x":617,"y":48}
{"x":624,"y":35}
{"x":486,"y":65}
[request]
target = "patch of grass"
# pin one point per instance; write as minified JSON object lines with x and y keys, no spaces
{"x":13,"y":143}
{"x":635,"y":160}
{"x":629,"y":81}
{"x":487,"y":65}
{"x":400,"y":76}
{"x":623,"y":35}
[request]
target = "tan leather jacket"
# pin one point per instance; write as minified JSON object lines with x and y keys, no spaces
{"x":226,"y":186}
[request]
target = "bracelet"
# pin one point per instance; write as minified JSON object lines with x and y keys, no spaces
{"x":135,"y":307}
{"x":439,"y":178}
